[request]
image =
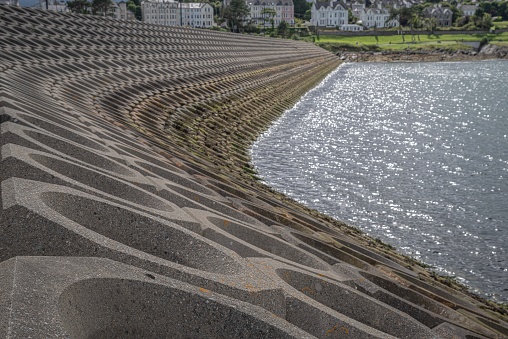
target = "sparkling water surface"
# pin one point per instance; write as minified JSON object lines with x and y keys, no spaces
{"x":415,"y":154}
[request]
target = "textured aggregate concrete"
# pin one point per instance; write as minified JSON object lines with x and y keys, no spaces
{"x":129,"y":207}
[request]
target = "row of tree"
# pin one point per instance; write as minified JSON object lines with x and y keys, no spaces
{"x":495,"y":9}
{"x":96,"y":7}
{"x":413,"y":17}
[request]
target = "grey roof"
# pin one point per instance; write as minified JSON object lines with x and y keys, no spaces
{"x":327,"y":4}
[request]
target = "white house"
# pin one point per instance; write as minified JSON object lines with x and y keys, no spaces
{"x":328,"y":14}
{"x":160,"y":12}
{"x":172,"y":13}
{"x":284,"y":11}
{"x":357,"y":9}
{"x":377,"y":18}
{"x":467,"y":10}
{"x":197,"y":14}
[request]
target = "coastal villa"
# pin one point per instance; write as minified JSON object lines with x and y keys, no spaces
{"x":467,"y":10}
{"x":284,"y":11}
{"x":443,"y":15}
{"x":377,"y":15}
{"x":197,"y":14}
{"x":172,"y":13}
{"x":377,"y":18}
{"x":329,"y":14}
{"x":357,"y":9}
{"x":160,"y":12}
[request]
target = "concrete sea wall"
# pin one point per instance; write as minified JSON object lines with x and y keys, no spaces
{"x":129,"y":208}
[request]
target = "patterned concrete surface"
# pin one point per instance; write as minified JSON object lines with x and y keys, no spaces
{"x":129,"y":208}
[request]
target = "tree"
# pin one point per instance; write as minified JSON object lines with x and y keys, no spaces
{"x":462,"y":21}
{"x":235,"y":13}
{"x":283,"y":28}
{"x":415,"y":23}
{"x":479,"y":12}
{"x":486,"y":21}
{"x":307,"y":15}
{"x":350,"y":17}
{"x":301,"y":6}
{"x":135,"y":7}
{"x":433,"y":24}
{"x":268,"y":15}
{"x":503,"y":10}
{"x":405,"y":16}
{"x":79,"y":6}
{"x":101,"y":7}
{"x":217,"y":5}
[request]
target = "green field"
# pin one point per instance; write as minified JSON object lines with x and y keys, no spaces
{"x":396,"y":42}
{"x":500,"y":25}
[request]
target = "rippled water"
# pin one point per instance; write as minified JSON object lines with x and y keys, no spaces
{"x":415,"y":154}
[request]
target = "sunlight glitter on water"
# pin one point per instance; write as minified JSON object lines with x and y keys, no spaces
{"x":416,"y":155}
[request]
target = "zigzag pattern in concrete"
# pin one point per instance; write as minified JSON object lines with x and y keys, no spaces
{"x":129,"y":208}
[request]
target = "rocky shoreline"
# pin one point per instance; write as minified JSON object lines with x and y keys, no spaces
{"x":434,"y":55}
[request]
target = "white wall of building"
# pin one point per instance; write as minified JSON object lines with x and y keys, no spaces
{"x":172,"y":13}
{"x":196,"y":14}
{"x":160,"y":12}
{"x":351,"y":28}
{"x":375,"y":17}
{"x":328,"y":14}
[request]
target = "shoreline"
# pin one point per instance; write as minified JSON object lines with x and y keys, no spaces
{"x":488,"y":52}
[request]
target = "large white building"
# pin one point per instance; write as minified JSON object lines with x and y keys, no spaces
{"x":328,"y":14}
{"x":160,"y":12}
{"x":377,"y":18}
{"x":172,"y":13}
{"x":284,"y":10}
{"x":357,"y":9}
{"x":197,"y":14}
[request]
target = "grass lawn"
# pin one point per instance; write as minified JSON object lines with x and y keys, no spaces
{"x":501,"y":24}
{"x":501,"y":43}
{"x":395,"y":42}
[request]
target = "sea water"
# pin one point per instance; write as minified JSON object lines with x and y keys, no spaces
{"x":415,"y":154}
